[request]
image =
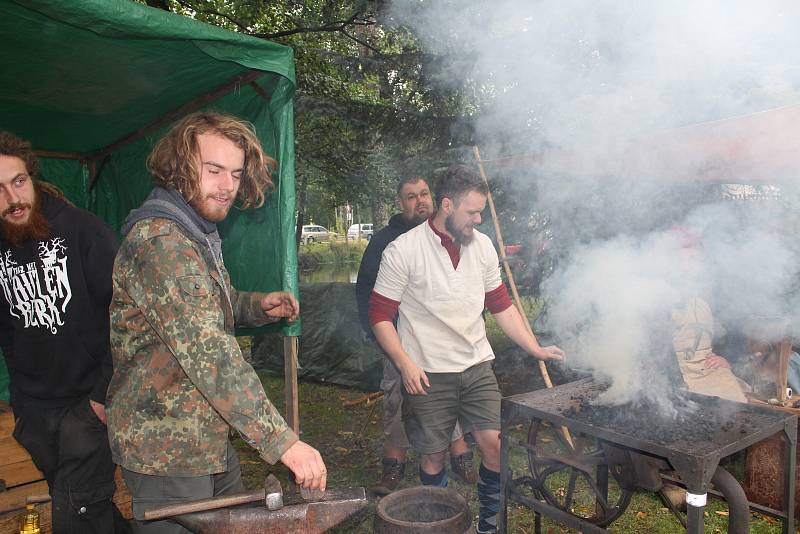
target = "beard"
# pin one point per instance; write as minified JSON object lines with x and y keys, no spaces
{"x":459,"y":234}
{"x":419,"y":218}
{"x":36,"y":228}
{"x":207,"y":210}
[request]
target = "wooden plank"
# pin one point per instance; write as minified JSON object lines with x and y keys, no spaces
{"x":16,"y":496}
{"x":12,"y":452}
{"x":20,"y":473}
{"x":6,"y":420}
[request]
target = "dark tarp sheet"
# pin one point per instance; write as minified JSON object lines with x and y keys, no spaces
{"x":333,"y":348}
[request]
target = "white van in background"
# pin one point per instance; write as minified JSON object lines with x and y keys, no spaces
{"x":365,"y":231}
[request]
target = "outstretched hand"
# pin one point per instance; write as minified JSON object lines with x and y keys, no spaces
{"x":305,"y":462}
{"x":280,"y":304}
{"x":550,"y":352}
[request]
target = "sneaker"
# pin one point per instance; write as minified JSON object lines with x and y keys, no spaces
{"x":393,"y":472}
{"x":463,"y":468}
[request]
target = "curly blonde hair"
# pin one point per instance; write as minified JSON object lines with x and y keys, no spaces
{"x":175,"y":163}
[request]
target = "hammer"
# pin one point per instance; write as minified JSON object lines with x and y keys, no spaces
{"x":272,"y":495}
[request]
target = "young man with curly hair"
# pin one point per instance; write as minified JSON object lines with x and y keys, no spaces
{"x":180,"y":382}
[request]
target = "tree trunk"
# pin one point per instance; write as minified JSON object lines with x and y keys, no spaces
{"x":380,"y":215}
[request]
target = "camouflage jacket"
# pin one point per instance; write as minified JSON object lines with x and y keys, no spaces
{"x":180,"y":381}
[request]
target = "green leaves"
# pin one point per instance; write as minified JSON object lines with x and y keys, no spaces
{"x":371,"y":105}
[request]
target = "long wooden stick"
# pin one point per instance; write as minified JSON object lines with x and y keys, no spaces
{"x":510,"y":275}
{"x":290,"y":349}
{"x":368,"y":398}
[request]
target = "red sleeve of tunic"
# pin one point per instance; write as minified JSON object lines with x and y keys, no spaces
{"x":497,"y":300}
{"x":381,"y":308}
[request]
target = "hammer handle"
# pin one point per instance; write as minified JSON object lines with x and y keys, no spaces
{"x":202,"y":505}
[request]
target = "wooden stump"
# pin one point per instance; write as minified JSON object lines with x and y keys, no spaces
{"x":764,"y":468}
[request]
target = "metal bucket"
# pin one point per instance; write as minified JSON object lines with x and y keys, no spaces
{"x":423,"y":510}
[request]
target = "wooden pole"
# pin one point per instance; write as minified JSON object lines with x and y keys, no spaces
{"x":784,"y":348}
{"x":290,"y":374}
{"x":260,"y":90}
{"x":510,"y":275}
{"x":506,"y":266}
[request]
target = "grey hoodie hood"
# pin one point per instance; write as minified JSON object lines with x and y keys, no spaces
{"x":168,"y":204}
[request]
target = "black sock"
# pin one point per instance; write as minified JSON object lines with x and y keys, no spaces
{"x":439,"y":479}
{"x":489,"y":498}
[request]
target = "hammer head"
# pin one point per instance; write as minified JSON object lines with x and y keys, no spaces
{"x":273,"y":494}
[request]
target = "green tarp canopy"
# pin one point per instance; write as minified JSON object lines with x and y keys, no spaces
{"x":94,"y":83}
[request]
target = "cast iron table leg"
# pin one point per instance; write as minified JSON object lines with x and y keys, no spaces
{"x":694,"y":518}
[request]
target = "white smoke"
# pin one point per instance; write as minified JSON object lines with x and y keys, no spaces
{"x":571,"y":73}
{"x":578,"y":83}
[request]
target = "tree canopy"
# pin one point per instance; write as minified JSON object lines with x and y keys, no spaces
{"x":369,"y":106}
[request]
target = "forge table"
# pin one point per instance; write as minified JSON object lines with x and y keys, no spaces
{"x":711,"y":430}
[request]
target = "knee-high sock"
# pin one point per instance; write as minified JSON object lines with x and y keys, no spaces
{"x":438,"y":480}
{"x":489,"y":498}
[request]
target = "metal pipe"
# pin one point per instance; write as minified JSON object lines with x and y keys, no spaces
{"x":738,"y":506}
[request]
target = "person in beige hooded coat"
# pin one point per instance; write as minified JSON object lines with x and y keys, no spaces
{"x":693,"y":335}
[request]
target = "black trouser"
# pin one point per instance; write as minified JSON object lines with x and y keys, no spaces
{"x":70,"y":446}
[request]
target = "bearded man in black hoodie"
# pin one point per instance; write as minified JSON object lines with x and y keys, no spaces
{"x":55,"y":272}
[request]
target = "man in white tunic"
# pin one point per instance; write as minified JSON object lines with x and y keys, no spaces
{"x":440,"y":276}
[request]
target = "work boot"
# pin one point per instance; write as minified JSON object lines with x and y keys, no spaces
{"x":393,"y":472}
{"x":463,"y":468}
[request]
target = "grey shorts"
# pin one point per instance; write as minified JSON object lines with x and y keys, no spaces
{"x":471,"y":398}
{"x":394,"y":432}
